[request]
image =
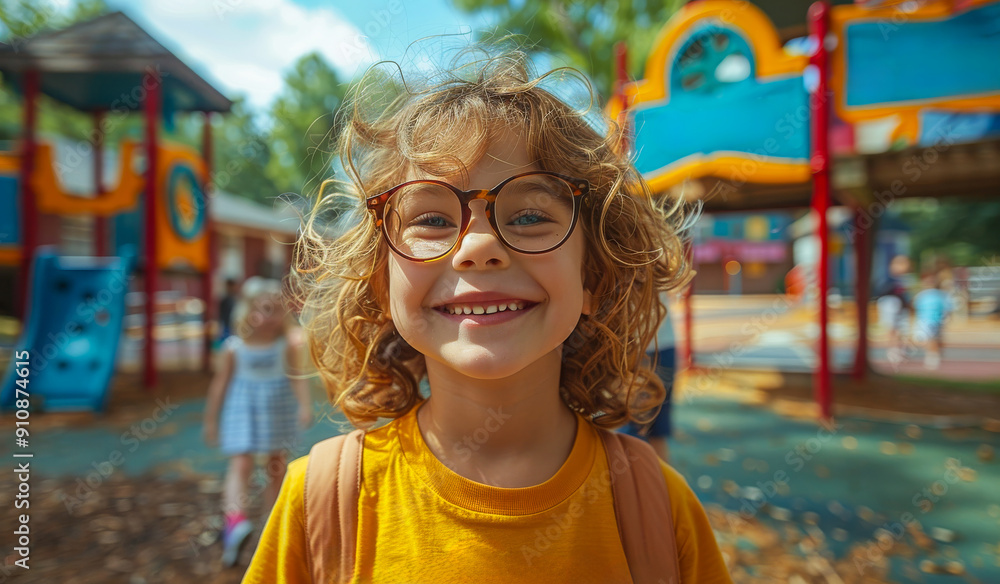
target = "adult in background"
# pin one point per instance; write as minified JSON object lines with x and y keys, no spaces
{"x":226,"y":306}
{"x":931,"y":308}
{"x":894,"y":307}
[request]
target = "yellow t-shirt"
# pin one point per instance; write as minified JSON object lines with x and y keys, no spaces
{"x":419,"y":522}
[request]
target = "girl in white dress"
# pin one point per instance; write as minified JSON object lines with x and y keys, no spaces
{"x":264,"y":404}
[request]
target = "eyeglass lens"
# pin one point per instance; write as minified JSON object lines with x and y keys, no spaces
{"x":533,"y":213}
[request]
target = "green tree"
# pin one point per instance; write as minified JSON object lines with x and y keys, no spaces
{"x":240,"y":146}
{"x":19,"y":20}
{"x":240,"y":150}
{"x":964,"y":230}
{"x":304,"y":126}
{"x":583,"y":32}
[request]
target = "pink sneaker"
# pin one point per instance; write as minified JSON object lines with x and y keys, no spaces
{"x":233,"y":541}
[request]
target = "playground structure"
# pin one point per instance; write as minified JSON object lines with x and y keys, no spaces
{"x":748,"y":120}
{"x":180,"y":217}
{"x":75,"y":339}
{"x":154,"y":219}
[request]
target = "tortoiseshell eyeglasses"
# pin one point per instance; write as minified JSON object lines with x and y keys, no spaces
{"x":534,"y":212}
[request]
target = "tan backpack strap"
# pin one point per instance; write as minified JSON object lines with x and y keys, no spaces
{"x":333,"y":480}
{"x":642,"y":508}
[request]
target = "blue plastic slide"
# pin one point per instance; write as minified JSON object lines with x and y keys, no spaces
{"x":72,"y":331}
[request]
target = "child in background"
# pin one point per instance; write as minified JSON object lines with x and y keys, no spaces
{"x":894,"y":307}
{"x":931,"y":307}
{"x":660,"y":430}
{"x":509,"y":253}
{"x":264,"y":402}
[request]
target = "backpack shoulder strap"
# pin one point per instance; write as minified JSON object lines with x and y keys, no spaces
{"x":333,"y":480}
{"x":642,"y":508}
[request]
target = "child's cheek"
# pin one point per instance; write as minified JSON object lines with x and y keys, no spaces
{"x":408,"y":286}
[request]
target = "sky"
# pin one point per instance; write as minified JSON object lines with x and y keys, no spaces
{"x":246,"y":46}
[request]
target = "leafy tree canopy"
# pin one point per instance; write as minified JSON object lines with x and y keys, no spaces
{"x":584,"y":32}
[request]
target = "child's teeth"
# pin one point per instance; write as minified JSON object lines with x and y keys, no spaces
{"x":491,"y":309}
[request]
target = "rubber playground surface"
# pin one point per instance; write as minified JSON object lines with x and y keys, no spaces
{"x":859,"y":501}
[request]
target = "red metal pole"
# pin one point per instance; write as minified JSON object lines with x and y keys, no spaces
{"x":818,"y":25}
{"x":621,"y":79}
{"x":151,"y":107}
{"x":862,"y":257}
{"x":688,"y":362}
{"x":621,"y":72}
{"x":100,"y":221}
{"x":206,"y":153}
{"x":29,"y":209}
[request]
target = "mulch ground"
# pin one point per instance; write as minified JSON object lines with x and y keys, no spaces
{"x":130,"y":530}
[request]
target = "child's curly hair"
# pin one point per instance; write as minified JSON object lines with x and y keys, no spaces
{"x":390,"y":125}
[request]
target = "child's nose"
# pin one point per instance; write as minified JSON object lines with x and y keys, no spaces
{"x":480,"y":247}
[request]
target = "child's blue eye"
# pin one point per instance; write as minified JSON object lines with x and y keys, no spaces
{"x":428,"y":220}
{"x":528,"y":218}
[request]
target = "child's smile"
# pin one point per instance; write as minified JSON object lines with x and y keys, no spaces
{"x":486,"y":309}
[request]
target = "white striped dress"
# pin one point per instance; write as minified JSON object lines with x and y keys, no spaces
{"x":259,"y":412}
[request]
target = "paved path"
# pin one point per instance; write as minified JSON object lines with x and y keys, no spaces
{"x":765,"y":332}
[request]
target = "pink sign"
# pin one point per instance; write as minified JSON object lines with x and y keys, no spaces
{"x":741,"y":251}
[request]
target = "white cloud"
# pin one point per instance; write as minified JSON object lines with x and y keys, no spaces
{"x":245,"y":46}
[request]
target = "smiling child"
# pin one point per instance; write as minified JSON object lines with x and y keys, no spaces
{"x":510,"y":255}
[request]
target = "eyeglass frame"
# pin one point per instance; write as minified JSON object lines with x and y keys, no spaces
{"x":376,"y":205}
